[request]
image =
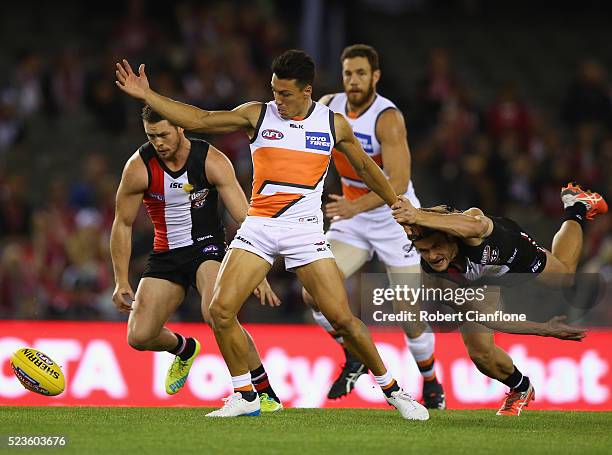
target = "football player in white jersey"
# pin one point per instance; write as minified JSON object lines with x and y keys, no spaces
{"x":362,"y":224}
{"x":291,"y":142}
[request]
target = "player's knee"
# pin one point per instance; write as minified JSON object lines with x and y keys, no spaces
{"x":221,"y":316}
{"x":138,"y":340}
{"x":344,"y":324}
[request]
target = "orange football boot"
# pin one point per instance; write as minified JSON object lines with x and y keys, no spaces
{"x":594,"y":203}
{"x":515,"y":402}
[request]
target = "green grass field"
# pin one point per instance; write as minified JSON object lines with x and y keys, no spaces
{"x":303,"y":431}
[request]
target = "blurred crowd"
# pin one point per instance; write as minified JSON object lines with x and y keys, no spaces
{"x":506,"y":156}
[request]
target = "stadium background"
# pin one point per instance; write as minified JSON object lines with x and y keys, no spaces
{"x":503,"y":105}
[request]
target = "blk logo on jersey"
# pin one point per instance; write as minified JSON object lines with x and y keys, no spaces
{"x":272,"y":135}
{"x":318,"y":141}
{"x":366,"y":142}
{"x":198,"y":199}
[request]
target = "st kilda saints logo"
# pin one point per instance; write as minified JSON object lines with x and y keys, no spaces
{"x":198,"y":198}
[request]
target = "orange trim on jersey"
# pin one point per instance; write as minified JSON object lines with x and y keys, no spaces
{"x":273,"y":205}
{"x":351,"y":192}
{"x":280,"y":166}
{"x":345,"y":169}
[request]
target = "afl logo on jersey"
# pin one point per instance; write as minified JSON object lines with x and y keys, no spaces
{"x":198,"y":199}
{"x":272,"y":135}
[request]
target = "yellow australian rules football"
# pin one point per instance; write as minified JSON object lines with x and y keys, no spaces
{"x":37,"y":372}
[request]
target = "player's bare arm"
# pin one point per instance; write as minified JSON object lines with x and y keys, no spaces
{"x":555,"y":327}
{"x":220,"y":172}
{"x":134,"y":182}
{"x":366,"y":168}
{"x":243,"y":117}
{"x":391,"y":132}
{"x":471,"y":225}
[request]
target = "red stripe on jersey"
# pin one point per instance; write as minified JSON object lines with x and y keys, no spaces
{"x":155,"y":201}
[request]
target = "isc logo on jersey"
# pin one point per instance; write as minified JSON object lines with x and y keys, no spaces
{"x":272,"y":135}
{"x":318,"y":141}
{"x":37,"y":372}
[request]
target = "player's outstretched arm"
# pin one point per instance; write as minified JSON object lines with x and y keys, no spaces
{"x":471,"y":224}
{"x":365,"y":167}
{"x":555,"y":327}
{"x":129,"y":196}
{"x":191,"y":118}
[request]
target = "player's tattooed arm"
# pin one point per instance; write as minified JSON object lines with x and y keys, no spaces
{"x":366,"y":168}
{"x":191,"y":118}
{"x":391,"y":132}
{"x":471,"y":224}
{"x":132,"y":187}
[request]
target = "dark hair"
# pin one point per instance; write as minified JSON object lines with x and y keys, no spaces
{"x":295,"y":64}
{"x":361,"y":50}
{"x":150,"y":116}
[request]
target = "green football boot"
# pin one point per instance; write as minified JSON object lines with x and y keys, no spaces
{"x":179,"y":370}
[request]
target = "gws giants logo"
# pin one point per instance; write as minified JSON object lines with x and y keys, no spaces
{"x":272,"y":135}
{"x":198,"y":199}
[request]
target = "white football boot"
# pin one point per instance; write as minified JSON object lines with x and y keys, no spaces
{"x":236,"y":406}
{"x":408,"y":407}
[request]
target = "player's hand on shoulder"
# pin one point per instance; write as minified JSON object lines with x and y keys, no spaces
{"x":123,"y":297}
{"x":265,"y":294}
{"x":340,"y":209}
{"x":555,"y":327}
{"x":132,"y":84}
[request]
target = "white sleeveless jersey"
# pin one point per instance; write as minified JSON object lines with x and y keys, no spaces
{"x":364,"y":128}
{"x":290,"y":162}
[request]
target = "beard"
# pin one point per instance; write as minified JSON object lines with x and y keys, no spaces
{"x":359,"y":99}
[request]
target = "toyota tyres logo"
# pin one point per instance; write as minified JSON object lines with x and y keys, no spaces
{"x":273,"y":135}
